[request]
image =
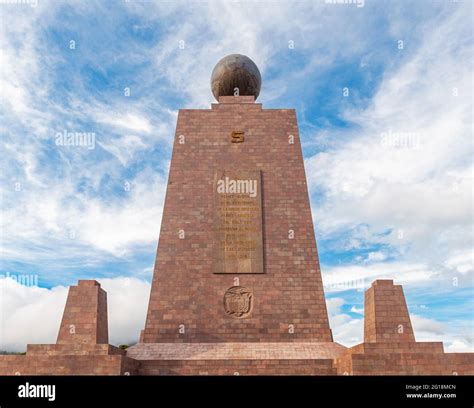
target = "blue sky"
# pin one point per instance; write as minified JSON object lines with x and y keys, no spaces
{"x":383,"y":95}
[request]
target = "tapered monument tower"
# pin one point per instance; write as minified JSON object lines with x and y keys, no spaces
{"x":237,"y":286}
{"x":237,"y":258}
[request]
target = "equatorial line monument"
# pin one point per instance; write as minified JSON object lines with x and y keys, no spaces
{"x":237,"y":286}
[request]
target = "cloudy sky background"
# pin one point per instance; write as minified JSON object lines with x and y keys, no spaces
{"x":357,"y":76}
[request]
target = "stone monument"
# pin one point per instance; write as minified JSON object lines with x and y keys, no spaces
{"x":237,"y":286}
{"x":237,"y":231}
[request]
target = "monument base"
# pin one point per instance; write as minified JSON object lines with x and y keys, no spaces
{"x":66,"y":359}
{"x":418,"y":358}
{"x":236,"y":358}
{"x":387,"y":349}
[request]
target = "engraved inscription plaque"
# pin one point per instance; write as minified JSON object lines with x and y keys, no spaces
{"x":238,"y":244}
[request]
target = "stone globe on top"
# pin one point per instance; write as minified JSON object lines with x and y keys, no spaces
{"x":235,"y":71}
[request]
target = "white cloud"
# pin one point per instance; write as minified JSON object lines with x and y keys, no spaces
{"x":368,"y":183}
{"x":56,"y":221}
{"x":334,"y":305}
{"x":424,"y":327}
{"x":30,"y":314}
{"x":416,"y":196}
{"x":127,"y":305}
{"x":357,"y":310}
{"x":340,"y":278}
{"x":63,"y":191}
{"x":345,"y":329}
{"x":130,"y":121}
{"x":376,"y":256}
{"x":456,"y":337}
{"x":124,"y":147}
{"x":258,"y":31}
{"x":117,"y":228}
{"x":461,"y":261}
{"x":459,"y":346}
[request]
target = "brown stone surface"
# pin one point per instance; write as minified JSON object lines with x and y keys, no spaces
{"x":66,"y":364}
{"x":241,"y":323}
{"x":417,"y":363}
{"x":239,"y":100}
{"x":386,"y":317}
{"x":73,"y":349}
{"x":435,"y":347}
{"x":85,"y":315}
{"x":186,"y":302}
{"x":237,"y":367}
{"x":236,"y":351}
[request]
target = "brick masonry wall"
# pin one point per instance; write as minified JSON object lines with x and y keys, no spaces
{"x":238,"y":367}
{"x":85,"y":315}
{"x":289,"y":301}
{"x":67,"y":365}
{"x":236,"y":351}
{"x":386,"y":317}
{"x":386,"y":363}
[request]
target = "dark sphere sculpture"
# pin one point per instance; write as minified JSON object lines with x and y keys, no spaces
{"x":234,"y":75}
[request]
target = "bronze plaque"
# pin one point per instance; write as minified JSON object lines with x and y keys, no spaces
{"x":238,"y":239}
